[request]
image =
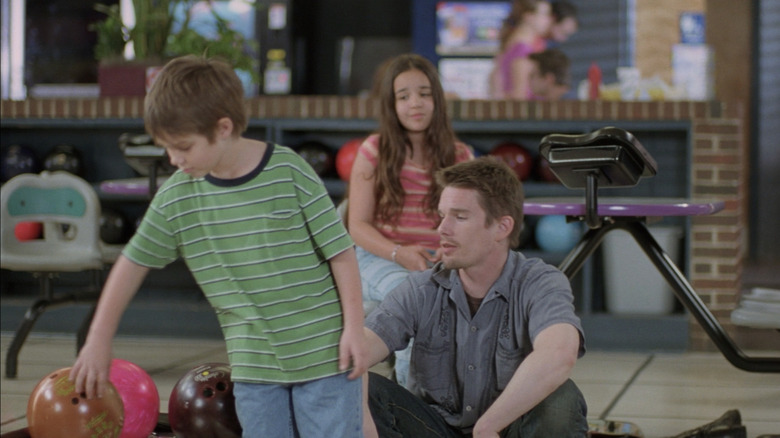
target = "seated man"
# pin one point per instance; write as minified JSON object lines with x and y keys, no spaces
{"x":495,"y":333}
{"x":549,"y":78}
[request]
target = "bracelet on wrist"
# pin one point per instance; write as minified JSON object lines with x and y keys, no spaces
{"x":395,"y":253}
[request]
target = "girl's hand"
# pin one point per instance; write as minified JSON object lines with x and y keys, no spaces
{"x":436,"y":257}
{"x":414,"y":257}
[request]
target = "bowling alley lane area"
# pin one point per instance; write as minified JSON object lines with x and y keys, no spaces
{"x":662,"y":393}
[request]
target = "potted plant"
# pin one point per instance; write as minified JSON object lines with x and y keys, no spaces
{"x":154,"y":42}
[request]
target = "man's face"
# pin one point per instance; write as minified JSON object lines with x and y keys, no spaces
{"x":541,"y":85}
{"x":562,"y":30}
{"x":465,"y":238}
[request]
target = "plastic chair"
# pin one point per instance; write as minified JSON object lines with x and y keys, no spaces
{"x":69,"y":210}
{"x":612,"y":157}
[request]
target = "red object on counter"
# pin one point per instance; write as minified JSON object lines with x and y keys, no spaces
{"x":594,"y":80}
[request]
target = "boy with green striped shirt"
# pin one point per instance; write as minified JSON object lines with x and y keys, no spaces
{"x":257,"y":229}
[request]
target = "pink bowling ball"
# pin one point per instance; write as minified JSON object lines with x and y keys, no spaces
{"x":140,"y":397}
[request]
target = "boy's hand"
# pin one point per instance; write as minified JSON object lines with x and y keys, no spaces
{"x":91,"y":370}
{"x":352,"y":350}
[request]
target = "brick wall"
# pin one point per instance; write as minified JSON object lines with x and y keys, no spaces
{"x":717,"y":247}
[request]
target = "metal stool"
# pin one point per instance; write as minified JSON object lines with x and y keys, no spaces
{"x":611,"y":157}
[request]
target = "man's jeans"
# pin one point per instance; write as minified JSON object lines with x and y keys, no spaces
{"x":399,"y":413}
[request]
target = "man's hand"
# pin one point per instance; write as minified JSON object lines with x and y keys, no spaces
{"x":540,"y":373}
{"x":482,"y":430}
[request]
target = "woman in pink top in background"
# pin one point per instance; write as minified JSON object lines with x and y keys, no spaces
{"x":393,"y":200}
{"x":521,"y":34}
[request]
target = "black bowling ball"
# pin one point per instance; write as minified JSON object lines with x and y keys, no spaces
{"x":64,"y":157}
{"x":526,"y":235}
{"x":18,"y":159}
{"x":319,"y":156}
{"x":113,"y":227}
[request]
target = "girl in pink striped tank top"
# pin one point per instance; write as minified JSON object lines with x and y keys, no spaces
{"x":392,"y":213}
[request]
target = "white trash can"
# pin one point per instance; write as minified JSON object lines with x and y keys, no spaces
{"x":633,"y":285}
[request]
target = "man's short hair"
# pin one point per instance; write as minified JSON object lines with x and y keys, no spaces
{"x":553,"y":61}
{"x":499,"y":191}
{"x":191,"y":94}
{"x":562,"y":9}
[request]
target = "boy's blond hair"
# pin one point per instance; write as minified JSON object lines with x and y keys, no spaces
{"x":499,"y":191}
{"x":190,"y":95}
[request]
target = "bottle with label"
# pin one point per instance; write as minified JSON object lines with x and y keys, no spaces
{"x":277,"y":78}
{"x":594,"y":81}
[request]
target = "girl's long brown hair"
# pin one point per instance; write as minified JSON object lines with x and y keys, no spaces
{"x":439,"y":142}
{"x":515,"y":17}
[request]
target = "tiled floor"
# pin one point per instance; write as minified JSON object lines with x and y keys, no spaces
{"x":663,"y":394}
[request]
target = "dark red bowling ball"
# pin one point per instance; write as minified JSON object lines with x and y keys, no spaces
{"x":517,"y":157}
{"x":345,"y":157}
{"x":56,"y":410}
{"x":319,"y":156}
{"x":202,"y":404}
{"x":543,"y":172}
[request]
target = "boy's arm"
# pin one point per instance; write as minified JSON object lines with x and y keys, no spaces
{"x":90,"y":372}
{"x":352,"y":346}
{"x":542,"y":372}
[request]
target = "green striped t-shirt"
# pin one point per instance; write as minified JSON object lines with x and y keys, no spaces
{"x":258,"y":246}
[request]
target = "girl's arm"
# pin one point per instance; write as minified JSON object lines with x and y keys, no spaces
{"x":362,"y":205}
{"x":521,"y":78}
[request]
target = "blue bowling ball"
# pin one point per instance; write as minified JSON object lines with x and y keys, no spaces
{"x":554,"y":234}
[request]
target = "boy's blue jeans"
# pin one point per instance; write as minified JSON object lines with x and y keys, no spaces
{"x":399,"y":413}
{"x":331,"y":406}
